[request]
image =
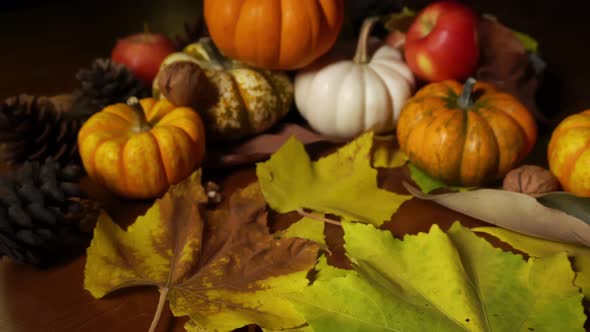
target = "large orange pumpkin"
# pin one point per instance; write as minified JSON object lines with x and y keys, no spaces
{"x":274,"y":34}
{"x":139,"y":150}
{"x":569,"y":153}
{"x":469,"y":135}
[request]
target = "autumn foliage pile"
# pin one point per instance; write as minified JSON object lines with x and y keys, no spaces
{"x":224,"y":269}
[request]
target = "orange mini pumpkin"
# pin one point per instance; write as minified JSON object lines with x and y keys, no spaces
{"x":278,"y":34}
{"x":139,"y":150}
{"x":469,"y":135}
{"x":569,"y":153}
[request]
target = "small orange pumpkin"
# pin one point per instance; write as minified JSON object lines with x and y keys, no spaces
{"x":139,"y":150}
{"x":569,"y":153}
{"x":277,"y":34}
{"x":469,"y":135}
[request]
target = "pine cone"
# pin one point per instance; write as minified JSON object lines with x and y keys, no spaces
{"x":32,"y":128}
{"x":44,"y":216}
{"x":104,"y":84}
{"x":191,"y":34}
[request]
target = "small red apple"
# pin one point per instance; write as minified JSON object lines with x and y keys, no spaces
{"x":442,"y":42}
{"x":143,"y":53}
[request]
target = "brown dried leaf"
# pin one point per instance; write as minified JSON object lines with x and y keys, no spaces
{"x":222,"y":267}
{"x":514,"y":211}
{"x":506,"y":64}
{"x":260,"y":147}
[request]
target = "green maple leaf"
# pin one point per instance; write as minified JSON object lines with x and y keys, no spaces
{"x":441,"y":282}
{"x":222,"y":268}
{"x":537,"y":247}
{"x":427,"y":183}
{"x":343,"y":183}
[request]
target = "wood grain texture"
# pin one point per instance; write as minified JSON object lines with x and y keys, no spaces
{"x":44,"y":44}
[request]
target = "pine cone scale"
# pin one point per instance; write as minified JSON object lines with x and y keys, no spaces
{"x":28,"y":237}
{"x":19,"y":216}
{"x":8,"y":247}
{"x":43,"y":135}
{"x":31,"y":193}
{"x":42,"y":217}
{"x":38,"y":212}
{"x":35,"y":130}
{"x":103,"y":84}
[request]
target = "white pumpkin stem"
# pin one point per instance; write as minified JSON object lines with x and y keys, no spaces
{"x":139,"y":111}
{"x":361,"y":55}
{"x":464,"y":101}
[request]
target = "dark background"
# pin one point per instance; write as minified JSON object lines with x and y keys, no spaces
{"x":44,"y":43}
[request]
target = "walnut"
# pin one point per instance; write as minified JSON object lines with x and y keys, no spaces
{"x":531,"y":180}
{"x":184,"y":83}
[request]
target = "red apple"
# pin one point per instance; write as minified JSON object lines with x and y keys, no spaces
{"x":143,"y":53}
{"x":442,"y":42}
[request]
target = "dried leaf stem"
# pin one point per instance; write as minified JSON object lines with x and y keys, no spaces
{"x":316,"y":217}
{"x":161,"y":303}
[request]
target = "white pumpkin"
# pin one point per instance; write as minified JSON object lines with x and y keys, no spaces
{"x":343,"y":99}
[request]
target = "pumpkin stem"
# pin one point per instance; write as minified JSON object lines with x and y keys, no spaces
{"x":216,"y":58}
{"x":143,"y":123}
{"x":464,"y":101}
{"x":361,"y":56}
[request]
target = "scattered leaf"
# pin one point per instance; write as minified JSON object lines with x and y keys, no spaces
{"x":441,"y":282}
{"x":576,"y":206}
{"x":400,"y":21}
{"x":358,"y":10}
{"x":326,"y":271}
{"x":305,"y":328}
{"x":343,"y":183}
{"x":506,"y":64}
{"x":515,"y":211}
{"x":260,"y":147}
{"x":313,"y":229}
{"x":221,"y":267}
{"x":529,"y":43}
{"x":427,"y":183}
{"x":544,"y":248}
{"x":307,"y":228}
{"x":387,"y":154}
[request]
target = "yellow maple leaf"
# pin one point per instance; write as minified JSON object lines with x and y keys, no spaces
{"x":222,"y":268}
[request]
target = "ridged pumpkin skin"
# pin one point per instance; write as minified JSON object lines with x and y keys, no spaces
{"x":249,"y":100}
{"x":569,"y":153}
{"x":275,"y":34}
{"x":345,"y":98}
{"x":141,"y":162}
{"x":472,"y":146}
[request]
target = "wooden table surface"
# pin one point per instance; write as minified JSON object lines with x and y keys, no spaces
{"x":45,"y":42}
